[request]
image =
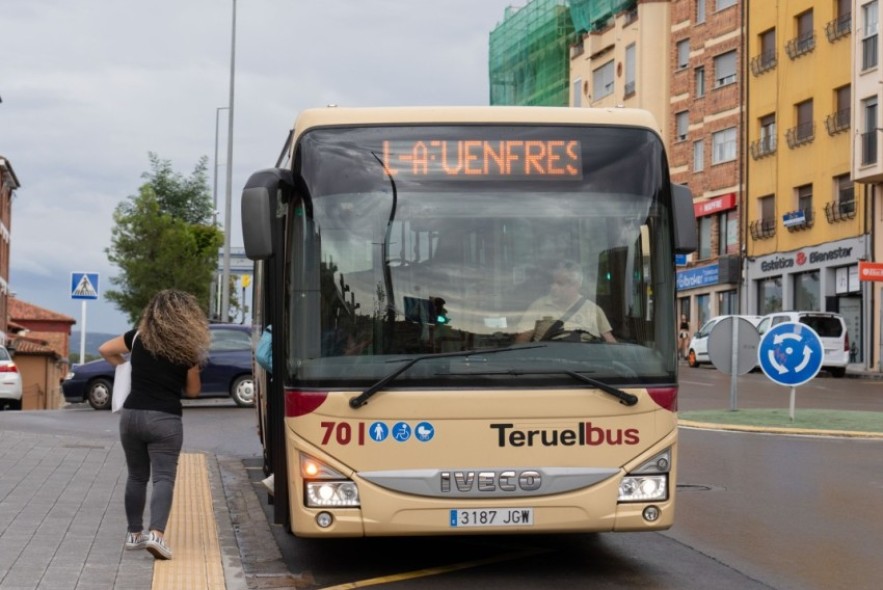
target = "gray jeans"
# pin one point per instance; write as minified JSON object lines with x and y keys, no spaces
{"x":152,"y":441}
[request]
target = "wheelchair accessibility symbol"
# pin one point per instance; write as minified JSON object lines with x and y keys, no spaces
{"x":790,"y":353}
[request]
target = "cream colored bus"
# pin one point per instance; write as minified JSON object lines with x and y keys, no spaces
{"x":473,"y":318}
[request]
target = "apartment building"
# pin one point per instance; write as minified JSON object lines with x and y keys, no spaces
{"x":706,"y":114}
{"x":808,"y":227}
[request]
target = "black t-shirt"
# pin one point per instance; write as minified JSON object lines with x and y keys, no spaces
{"x":157,"y":383}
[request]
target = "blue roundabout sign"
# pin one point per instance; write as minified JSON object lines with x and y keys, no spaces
{"x":790,"y":353}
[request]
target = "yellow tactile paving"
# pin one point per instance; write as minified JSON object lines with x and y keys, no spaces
{"x":191,"y":533}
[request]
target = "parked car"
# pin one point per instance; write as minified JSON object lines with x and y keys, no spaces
{"x":697,"y":352}
{"x":227,"y":373}
{"x":10,"y":382}
{"x":831,"y":328}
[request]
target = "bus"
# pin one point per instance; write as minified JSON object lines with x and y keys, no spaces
{"x":398,"y":253}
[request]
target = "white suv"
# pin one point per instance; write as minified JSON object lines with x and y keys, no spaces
{"x":830,"y":327}
{"x":10,"y":382}
{"x":697,"y":353}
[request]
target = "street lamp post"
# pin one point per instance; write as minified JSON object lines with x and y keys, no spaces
{"x":215,"y":304}
{"x":225,"y":275}
{"x":215,"y":186}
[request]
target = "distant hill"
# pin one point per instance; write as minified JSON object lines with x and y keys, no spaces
{"x":93,"y":341}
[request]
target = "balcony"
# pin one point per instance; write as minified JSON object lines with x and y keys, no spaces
{"x":838,"y":122}
{"x":798,"y":220}
{"x":801,"y":45}
{"x":839,"y":27}
{"x":800,"y":135}
{"x":765,"y":146}
{"x":762,"y":229}
{"x":764,"y":62}
{"x":840,"y":210}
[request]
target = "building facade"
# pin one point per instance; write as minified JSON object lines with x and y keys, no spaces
{"x":867,"y":160}
{"x":808,"y":226}
{"x":706,"y":115}
{"x":8,"y":184}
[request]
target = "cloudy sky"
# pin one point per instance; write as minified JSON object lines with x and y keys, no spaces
{"x":89,"y":87}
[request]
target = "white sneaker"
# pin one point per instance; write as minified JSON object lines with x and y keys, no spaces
{"x":270,"y":483}
{"x":136,"y":540}
{"x":157,"y":546}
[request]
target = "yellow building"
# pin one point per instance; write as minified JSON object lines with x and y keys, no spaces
{"x":807,"y":226}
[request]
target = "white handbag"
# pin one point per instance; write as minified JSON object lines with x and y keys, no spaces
{"x":122,"y":382}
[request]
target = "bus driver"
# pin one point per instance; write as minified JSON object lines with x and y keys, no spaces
{"x":564,"y":313}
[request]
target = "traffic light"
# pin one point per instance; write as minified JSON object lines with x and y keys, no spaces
{"x":439,"y":312}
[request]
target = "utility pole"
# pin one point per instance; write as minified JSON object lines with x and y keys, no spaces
{"x":225,"y":275}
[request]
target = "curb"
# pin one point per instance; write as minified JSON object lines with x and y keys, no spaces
{"x":779,"y":430}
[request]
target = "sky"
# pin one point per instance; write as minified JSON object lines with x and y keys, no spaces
{"x":90,"y":87}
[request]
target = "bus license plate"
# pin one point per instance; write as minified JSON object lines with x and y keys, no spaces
{"x":491,"y":517}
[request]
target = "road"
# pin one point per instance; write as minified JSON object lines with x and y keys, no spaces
{"x":754,"y":510}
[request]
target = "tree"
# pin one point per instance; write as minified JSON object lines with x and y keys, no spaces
{"x":163,"y":238}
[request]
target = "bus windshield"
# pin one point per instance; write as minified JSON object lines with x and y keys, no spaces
{"x":550,"y":242}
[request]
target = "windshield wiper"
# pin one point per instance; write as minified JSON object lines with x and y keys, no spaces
{"x":362,"y":399}
{"x":624,"y":398}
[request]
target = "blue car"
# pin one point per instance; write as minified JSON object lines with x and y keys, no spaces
{"x":228,"y":372}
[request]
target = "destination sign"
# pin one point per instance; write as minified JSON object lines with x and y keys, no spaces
{"x":478,"y":159}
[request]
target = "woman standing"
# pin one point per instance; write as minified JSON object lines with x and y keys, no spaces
{"x":167,"y":350}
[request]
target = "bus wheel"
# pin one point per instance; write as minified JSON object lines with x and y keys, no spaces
{"x":242,"y":391}
{"x":691,"y":359}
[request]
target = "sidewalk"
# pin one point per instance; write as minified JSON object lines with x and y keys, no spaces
{"x":62,"y":522}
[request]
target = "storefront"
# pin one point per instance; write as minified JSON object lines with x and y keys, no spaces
{"x":817,"y":278}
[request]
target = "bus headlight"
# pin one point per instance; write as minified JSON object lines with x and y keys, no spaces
{"x":648,"y":482}
{"x":643,"y":488}
{"x":326,"y":487}
{"x":329,"y":494}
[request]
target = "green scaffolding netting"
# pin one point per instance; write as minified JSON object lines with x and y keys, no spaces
{"x":591,"y":15}
{"x":529,"y":57}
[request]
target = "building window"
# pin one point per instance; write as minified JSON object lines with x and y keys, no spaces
{"x":804,"y":202}
{"x":804,"y":131}
{"x":682,"y":125}
{"x":727,"y":302}
{"x":728,"y":233}
{"x":769,"y":295}
{"x":766,"y":145}
{"x":703,"y":308}
{"x":869,"y":35}
{"x":705,"y":237}
{"x":766,"y":60}
{"x":683,"y":48}
{"x":723,"y":146}
{"x":602,"y":81}
{"x":768,"y":211}
{"x":630,"y":70}
{"x":806,"y":291}
{"x":844,"y":194}
{"x":577,"y":97}
{"x":869,"y":135}
{"x":700,"y":11}
{"x":721,"y":4}
{"x":698,"y":156}
{"x":699,"y":79}
{"x":725,"y":69}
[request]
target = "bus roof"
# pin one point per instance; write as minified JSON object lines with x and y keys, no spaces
{"x":336,"y":116}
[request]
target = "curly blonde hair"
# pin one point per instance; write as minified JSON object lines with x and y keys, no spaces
{"x":174,"y":326}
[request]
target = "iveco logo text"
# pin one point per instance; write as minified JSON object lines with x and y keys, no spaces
{"x":583,"y":435}
{"x":491,"y":481}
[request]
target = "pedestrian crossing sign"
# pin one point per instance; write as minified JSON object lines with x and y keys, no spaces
{"x":84,"y":285}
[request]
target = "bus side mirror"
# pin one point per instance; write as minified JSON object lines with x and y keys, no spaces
{"x":258,"y":202}
{"x":686,"y":236}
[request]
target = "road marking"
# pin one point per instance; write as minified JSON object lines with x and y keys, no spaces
{"x":435,"y":571}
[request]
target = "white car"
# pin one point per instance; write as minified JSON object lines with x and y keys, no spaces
{"x":10,"y":382}
{"x":697,"y":353}
{"x":831,"y":328}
